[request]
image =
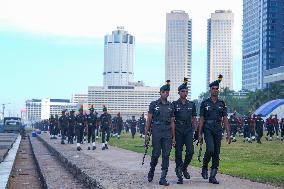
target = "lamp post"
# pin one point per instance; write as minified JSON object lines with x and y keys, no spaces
{"x":3,"y":108}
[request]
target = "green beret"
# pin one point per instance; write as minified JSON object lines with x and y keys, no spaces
{"x":217,"y":82}
{"x":166,"y":87}
{"x":184,"y":85}
{"x":72,"y":111}
{"x":104,"y":109}
{"x":92,"y":108}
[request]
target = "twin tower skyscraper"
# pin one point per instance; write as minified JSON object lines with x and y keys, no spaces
{"x":119,"y":52}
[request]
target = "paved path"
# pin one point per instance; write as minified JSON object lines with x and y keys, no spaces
{"x":119,"y":168}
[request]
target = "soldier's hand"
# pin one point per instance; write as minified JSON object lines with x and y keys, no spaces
{"x":174,"y":142}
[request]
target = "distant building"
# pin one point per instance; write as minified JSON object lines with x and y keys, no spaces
{"x":118,"y":58}
{"x":178,"y":55}
{"x":80,"y":99}
{"x":128,"y":100}
{"x":38,"y":109}
{"x":220,"y":47}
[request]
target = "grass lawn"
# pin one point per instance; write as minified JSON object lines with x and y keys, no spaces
{"x":257,"y":162}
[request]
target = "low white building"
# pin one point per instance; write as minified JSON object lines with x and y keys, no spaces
{"x":38,"y":109}
{"x":128,"y":100}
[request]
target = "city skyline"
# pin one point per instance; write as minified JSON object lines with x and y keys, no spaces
{"x":39,"y":51}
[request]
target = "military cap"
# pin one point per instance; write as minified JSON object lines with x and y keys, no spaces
{"x":217,"y":82}
{"x":92,"y":108}
{"x":166,"y":87}
{"x":63,"y":111}
{"x":72,"y":111}
{"x":104,"y":109}
{"x":184,"y":85}
{"x":81,"y":108}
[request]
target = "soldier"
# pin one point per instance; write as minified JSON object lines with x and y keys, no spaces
{"x":119,"y":124}
{"x":234,"y":125}
{"x":276,"y":126}
{"x":80,"y":126}
{"x":212,"y":110}
{"x":142,"y":124}
{"x":185,"y":121}
{"x":52,"y":127}
{"x":91,"y":128}
{"x":161,"y":119}
{"x":133,"y":124}
{"x":252,"y":126}
{"x":63,"y":125}
{"x":246,"y":129}
{"x":270,"y":127}
{"x":282,"y":128}
{"x":259,"y":122}
{"x":56,"y":126}
{"x":105,"y":120}
{"x":71,"y":126}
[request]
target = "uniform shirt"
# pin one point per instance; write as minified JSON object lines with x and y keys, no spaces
{"x":105,"y":119}
{"x":233,"y":120}
{"x":142,"y":122}
{"x":63,"y":120}
{"x":259,"y":123}
{"x":119,"y":121}
{"x":133,"y":123}
{"x":269,"y":122}
{"x":162,"y":113}
{"x":91,"y":119}
{"x":72,"y":120}
{"x":51,"y":121}
{"x":246,"y":121}
{"x":184,"y":112}
{"x":213,"y":111}
{"x":80,"y":119}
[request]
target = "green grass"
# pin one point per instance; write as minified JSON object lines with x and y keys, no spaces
{"x":261,"y":163}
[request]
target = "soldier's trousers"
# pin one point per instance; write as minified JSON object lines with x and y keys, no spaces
{"x":51,"y":130}
{"x":70,"y":134}
{"x":270,"y":130}
{"x":259,"y":133}
{"x":213,"y":144}
{"x":105,"y":134}
{"x":91,"y":133}
{"x":161,"y":142}
{"x":234,"y":129}
{"x":184,"y":136}
{"x":276,"y":128}
{"x":79,"y":133}
{"x":63,"y":133}
{"x":246,"y":131}
{"x":282,"y":133}
{"x":133,"y":132}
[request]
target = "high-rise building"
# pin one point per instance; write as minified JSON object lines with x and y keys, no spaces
{"x":118,"y":58}
{"x":220,"y":47}
{"x":178,"y":52}
{"x":263,"y":43}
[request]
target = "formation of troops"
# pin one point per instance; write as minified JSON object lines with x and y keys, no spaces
{"x":170,"y":124}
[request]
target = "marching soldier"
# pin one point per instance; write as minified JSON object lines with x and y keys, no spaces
{"x":246,"y":129}
{"x":119,"y":124}
{"x":212,"y":110}
{"x":71,"y":126}
{"x":259,"y":122}
{"x":52,"y":127}
{"x":270,"y":127}
{"x":105,"y":121}
{"x":133,"y":124}
{"x":234,"y":126}
{"x":282,"y":128}
{"x":142,"y":124}
{"x":185,"y":119}
{"x":91,"y":128}
{"x":161,"y":120}
{"x":80,"y":126}
{"x":276,"y":126}
{"x":63,"y":125}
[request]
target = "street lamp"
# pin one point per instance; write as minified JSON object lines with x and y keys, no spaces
{"x":3,"y":107}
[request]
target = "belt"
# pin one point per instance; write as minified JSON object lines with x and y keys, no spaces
{"x":183,"y":122}
{"x":90,"y":124}
{"x":79,"y":123}
{"x":161,"y":122}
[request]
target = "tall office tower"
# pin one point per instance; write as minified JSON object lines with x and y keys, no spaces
{"x":220,"y":47}
{"x":263,"y":43}
{"x":118,"y":58}
{"x":178,"y":50}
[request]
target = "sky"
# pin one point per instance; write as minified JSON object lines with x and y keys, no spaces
{"x":53,"y":49}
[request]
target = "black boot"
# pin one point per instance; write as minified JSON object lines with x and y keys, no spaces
{"x":204,"y":173}
{"x":185,"y":173}
{"x":179,"y":175}
{"x":212,"y":178}
{"x":163,"y":180}
{"x":153,"y":164}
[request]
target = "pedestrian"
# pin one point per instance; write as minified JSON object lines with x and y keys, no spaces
{"x":161,"y":120}
{"x":185,"y":125}
{"x":259,"y":122}
{"x":212,"y":111}
{"x":71,"y":126}
{"x":269,"y":127}
{"x":282,"y":128}
{"x":119,"y":124}
{"x":133,"y":125}
{"x":142,"y":124}
{"x":234,"y":126}
{"x":105,"y":122}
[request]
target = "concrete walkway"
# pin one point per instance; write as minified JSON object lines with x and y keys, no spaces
{"x":119,"y":168}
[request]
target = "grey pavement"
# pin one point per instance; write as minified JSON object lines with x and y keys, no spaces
{"x":119,"y":168}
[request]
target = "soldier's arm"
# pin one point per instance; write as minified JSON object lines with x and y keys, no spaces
{"x":227,"y":125}
{"x":148,"y":123}
{"x":173,"y":127}
{"x":201,"y":125}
